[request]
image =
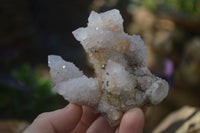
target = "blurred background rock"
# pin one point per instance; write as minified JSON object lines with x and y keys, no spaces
{"x":30,"y":30}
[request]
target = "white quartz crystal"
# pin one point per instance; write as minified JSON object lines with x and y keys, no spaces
{"x":122,"y":79}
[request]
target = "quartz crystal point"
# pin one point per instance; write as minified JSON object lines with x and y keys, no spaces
{"x":122,"y":79}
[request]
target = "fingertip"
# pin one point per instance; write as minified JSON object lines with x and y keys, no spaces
{"x":135,"y":113}
{"x":74,"y":108}
{"x":132,"y":121}
{"x":100,"y":125}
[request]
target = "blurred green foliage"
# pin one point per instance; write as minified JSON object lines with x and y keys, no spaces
{"x":26,"y":104}
{"x":185,"y":6}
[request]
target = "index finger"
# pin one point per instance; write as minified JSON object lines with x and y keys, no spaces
{"x":62,"y":120}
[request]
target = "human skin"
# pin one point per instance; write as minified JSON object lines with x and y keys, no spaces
{"x":80,"y":119}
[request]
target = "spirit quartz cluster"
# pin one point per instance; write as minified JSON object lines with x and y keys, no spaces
{"x":122,"y":79}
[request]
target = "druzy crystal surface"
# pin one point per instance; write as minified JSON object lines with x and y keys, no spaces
{"x":122,"y":79}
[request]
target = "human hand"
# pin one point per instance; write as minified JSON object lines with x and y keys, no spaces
{"x":77,"y":119}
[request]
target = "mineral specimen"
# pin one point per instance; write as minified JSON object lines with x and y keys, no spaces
{"x":122,"y":78}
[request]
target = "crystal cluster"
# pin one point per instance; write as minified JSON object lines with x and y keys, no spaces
{"x":122,"y":79}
